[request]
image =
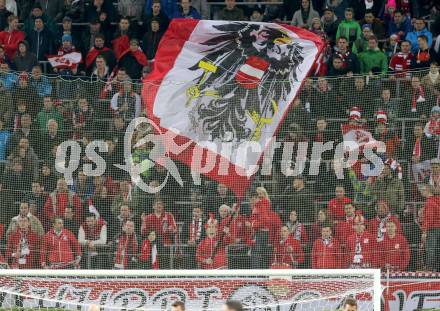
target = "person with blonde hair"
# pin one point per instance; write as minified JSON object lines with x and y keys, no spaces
{"x":262,"y":193}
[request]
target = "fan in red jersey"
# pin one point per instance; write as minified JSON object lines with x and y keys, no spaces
{"x":345,"y":228}
{"x":377,"y":225}
{"x":287,"y":252}
{"x":326,"y":252}
{"x":211,"y":254}
{"x":60,"y":249}
{"x":161,"y":222}
{"x":395,"y":253}
{"x":23,"y":246}
{"x":361,"y":246}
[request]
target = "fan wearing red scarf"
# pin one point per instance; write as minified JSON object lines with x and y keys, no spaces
{"x":92,"y":235}
{"x":211,"y":253}
{"x":100,"y":49}
{"x":133,"y":59}
{"x":126,"y":255}
{"x":232,"y":227}
{"x":161,"y":222}
{"x":377,"y":225}
{"x":149,"y":257}
{"x":416,"y":100}
{"x":361,"y":246}
{"x":287,"y":252}
{"x":23,"y":246}
{"x":66,"y":48}
{"x":432,"y":127}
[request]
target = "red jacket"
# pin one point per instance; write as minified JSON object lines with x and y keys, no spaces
{"x":361,"y":251}
{"x":62,"y":201}
{"x":10,"y":41}
{"x":164,"y":226}
{"x":335,"y":208}
{"x":344,"y":229}
{"x":62,"y":248}
{"x":326,"y":256}
{"x":315,"y":232}
{"x":394,"y":252}
{"x":237,"y":229}
{"x":264,"y":218}
{"x":377,"y":226}
{"x":27,"y":244}
{"x":149,"y":254}
{"x":287,"y":251}
{"x":208,"y":249}
{"x":431,"y":213}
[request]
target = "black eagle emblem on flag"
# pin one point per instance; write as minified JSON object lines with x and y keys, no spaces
{"x":246,"y":71}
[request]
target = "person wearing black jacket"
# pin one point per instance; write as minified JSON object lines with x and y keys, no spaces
{"x":4,"y":14}
{"x":151,"y":39}
{"x":25,"y":60}
{"x":424,"y":56}
{"x":103,"y":10}
{"x":418,"y":147}
{"x":156,"y":13}
{"x":41,"y":41}
{"x":330,"y":24}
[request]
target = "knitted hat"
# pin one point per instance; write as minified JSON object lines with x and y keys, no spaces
{"x":211,"y":220}
{"x":355,"y":113}
{"x":381,"y":117}
{"x":365,"y":26}
{"x":66,"y":37}
{"x":435,"y":109}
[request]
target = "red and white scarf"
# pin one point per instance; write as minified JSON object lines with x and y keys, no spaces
{"x":196,"y":229}
{"x":418,"y":96}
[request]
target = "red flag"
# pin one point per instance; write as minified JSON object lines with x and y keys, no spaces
{"x":138,"y":54}
{"x":355,"y":136}
{"x":218,"y":84}
{"x":93,"y":53}
{"x":120,"y":45}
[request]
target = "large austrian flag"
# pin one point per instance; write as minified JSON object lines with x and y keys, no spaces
{"x":356,"y":137}
{"x":225,"y":87}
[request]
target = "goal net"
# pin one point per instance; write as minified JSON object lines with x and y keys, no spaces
{"x":199,"y":290}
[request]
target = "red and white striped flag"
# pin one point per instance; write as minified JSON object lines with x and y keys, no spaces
{"x":217,"y":82}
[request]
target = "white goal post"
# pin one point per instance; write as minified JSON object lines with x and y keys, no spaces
{"x":302,"y":289}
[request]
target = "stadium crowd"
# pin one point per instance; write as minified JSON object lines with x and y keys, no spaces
{"x":380,"y":70}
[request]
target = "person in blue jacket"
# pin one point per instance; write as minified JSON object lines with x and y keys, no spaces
{"x":169,"y":7}
{"x":4,"y":139}
{"x":400,"y":25}
{"x":419,"y":29}
{"x":186,"y":10}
